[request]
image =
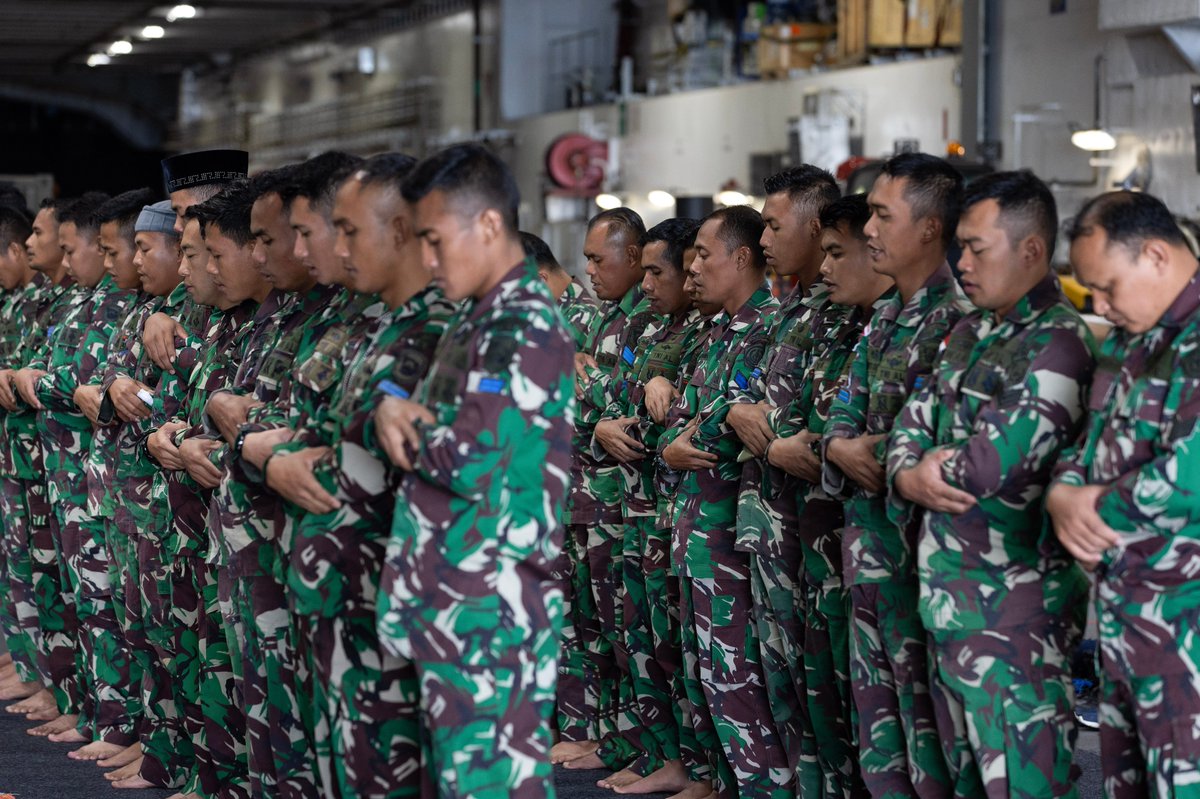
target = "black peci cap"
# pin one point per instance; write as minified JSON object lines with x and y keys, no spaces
{"x":188,"y":170}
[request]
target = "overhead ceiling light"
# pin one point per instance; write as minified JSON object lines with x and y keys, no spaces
{"x":98,"y":60}
{"x":153,"y":32}
{"x":1093,"y":140}
{"x":181,"y":12}
{"x":730,"y":198}
{"x":120,"y":47}
{"x":608,"y":202}
{"x":661,"y":199}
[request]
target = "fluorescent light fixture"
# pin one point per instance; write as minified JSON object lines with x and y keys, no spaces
{"x":608,"y":201}
{"x":366,"y":60}
{"x":98,"y":60}
{"x":120,"y":47}
{"x":181,"y":12}
{"x":730,"y":198}
{"x":1093,"y":140}
{"x":153,"y":32}
{"x":661,"y":199}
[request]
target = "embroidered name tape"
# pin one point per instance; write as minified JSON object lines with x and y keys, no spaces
{"x":392,"y":390}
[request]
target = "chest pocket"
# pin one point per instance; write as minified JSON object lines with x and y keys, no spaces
{"x":278,"y":362}
{"x":888,"y":388}
{"x":663,"y":361}
{"x":1143,"y":419}
{"x":447,"y":377}
{"x":324,"y":367}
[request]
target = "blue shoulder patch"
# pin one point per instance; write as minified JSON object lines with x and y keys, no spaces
{"x":741,"y":381}
{"x":393,"y":390}
{"x":843,"y":395}
{"x":627,"y":355}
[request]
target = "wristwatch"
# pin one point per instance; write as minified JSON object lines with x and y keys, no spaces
{"x":239,"y":442}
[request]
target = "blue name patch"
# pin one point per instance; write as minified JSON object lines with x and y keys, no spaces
{"x":627,"y":355}
{"x":843,"y":395}
{"x":491,"y":385}
{"x":741,"y":381}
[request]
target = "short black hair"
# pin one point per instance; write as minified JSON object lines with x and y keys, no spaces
{"x":677,"y":233}
{"x":389,"y":170}
{"x":318,"y":179}
{"x":934,"y":188}
{"x":15,"y":225}
{"x":84,"y":212}
{"x":851,"y":211}
{"x":125,"y":208}
{"x":809,"y":187}
{"x":272,"y":181}
{"x":229,"y":211}
{"x":473,"y":179}
{"x":539,"y":251}
{"x":741,"y":226}
{"x":623,"y":223}
{"x":205,"y":191}
{"x":1026,"y":204}
{"x":12,"y":197}
{"x":1128,"y":218}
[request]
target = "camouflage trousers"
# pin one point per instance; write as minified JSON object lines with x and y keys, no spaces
{"x":589,"y":685}
{"x":279,"y":747}
{"x":17,"y":604}
{"x":901,"y":753}
{"x":829,"y":699}
{"x":732,"y":714}
{"x":366,"y":709}
{"x":213,"y":717}
{"x":111,"y":702}
{"x":56,"y":613}
{"x":1003,"y":702}
{"x":485,"y":731}
{"x":657,"y":726}
{"x":1149,"y":693}
{"x":166,"y":743}
{"x":828,"y":694}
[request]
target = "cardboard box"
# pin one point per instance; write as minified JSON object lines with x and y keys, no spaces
{"x":921,"y":23}
{"x":782,"y":48}
{"x":952,"y":24}
{"x":885,"y":23}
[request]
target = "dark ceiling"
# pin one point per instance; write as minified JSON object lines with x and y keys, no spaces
{"x":45,"y":39}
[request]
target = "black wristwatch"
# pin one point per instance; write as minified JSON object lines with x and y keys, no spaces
{"x":239,"y":442}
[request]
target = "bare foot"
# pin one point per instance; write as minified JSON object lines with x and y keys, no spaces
{"x":125,"y":772}
{"x":671,"y":777}
{"x":128,"y":755}
{"x":620,"y":779}
{"x":19,"y":690}
{"x":134,"y":782}
{"x":586,"y":762}
{"x":34,"y":703}
{"x":69,"y":736}
{"x":695,"y":790}
{"x":54,"y":726}
{"x":96,"y":750}
{"x":569,"y":750}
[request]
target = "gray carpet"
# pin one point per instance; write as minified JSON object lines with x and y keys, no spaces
{"x":34,"y":768}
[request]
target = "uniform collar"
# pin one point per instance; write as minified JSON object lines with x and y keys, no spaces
{"x":1185,"y":305}
{"x":1039,"y":299}
{"x":930,"y":293}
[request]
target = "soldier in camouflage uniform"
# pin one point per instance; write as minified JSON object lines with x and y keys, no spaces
{"x":914,"y":206}
{"x":26,"y":508}
{"x":364,"y":698}
{"x":577,"y":307}
{"x":76,"y":351}
{"x":207,"y":361}
{"x":467,"y":592}
{"x":658,"y":726}
{"x":767,"y":498}
{"x":699,"y":464}
{"x":854,"y":290}
{"x":595,"y":682}
{"x":22,"y":288}
{"x":973,"y":448}
{"x":244,"y":518}
{"x":1122,"y":502}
